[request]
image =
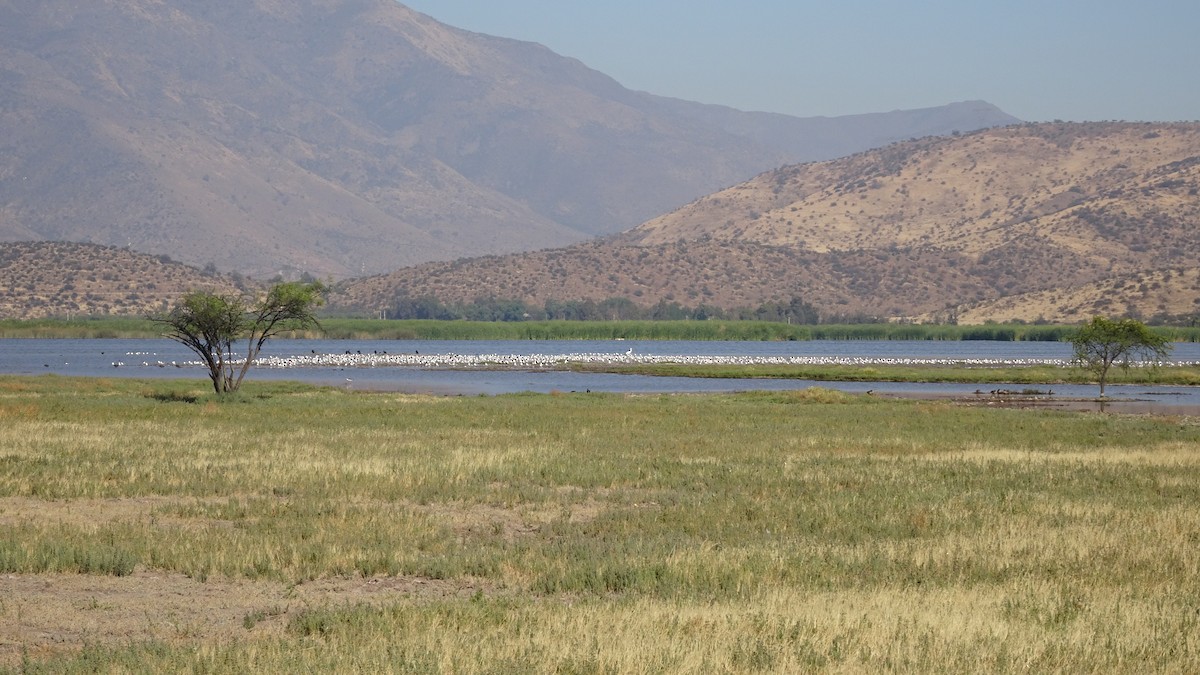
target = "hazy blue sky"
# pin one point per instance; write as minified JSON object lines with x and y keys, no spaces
{"x":1037,"y":59}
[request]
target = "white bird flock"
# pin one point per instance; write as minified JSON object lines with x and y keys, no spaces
{"x":542,"y":361}
{"x":553,"y":361}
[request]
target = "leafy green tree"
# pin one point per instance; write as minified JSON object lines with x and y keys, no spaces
{"x":210,"y":324}
{"x":1102,"y":342}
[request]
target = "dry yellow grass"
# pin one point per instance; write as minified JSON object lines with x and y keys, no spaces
{"x":294,"y":530}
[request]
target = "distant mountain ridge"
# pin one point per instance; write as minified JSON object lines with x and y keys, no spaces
{"x":1034,"y":223}
{"x":345,"y":137}
{"x":1052,"y":222}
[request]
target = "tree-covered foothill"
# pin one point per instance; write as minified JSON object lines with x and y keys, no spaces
{"x":210,"y":324}
{"x":1103,"y":342}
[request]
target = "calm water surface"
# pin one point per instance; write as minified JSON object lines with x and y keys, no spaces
{"x":154,"y":358}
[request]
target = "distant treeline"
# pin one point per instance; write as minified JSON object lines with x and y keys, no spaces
{"x":795,"y":310}
{"x":711,"y":329}
{"x":559,"y":329}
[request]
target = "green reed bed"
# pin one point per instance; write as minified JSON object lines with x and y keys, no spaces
{"x":601,"y":533}
{"x":100,"y":327}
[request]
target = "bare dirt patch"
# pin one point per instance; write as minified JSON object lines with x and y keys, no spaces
{"x":43,"y":615}
{"x":15,"y":510}
{"x":510,"y":523}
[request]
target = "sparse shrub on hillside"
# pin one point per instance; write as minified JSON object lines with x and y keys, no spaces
{"x":119,"y":281}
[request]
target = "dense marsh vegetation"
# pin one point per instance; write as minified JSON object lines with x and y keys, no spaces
{"x":311,"y":529}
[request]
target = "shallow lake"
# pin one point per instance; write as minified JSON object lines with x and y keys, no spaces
{"x":153,"y":358}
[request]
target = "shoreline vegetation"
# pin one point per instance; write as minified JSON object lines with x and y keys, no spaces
{"x":983,"y":375}
{"x":152,"y":526}
{"x":416,"y":329}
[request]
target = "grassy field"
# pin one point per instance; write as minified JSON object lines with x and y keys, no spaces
{"x":149,"y":527}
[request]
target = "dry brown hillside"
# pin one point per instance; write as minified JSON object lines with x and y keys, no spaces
{"x":56,"y":279}
{"x":1125,"y":193}
{"x":720,"y":273}
{"x":1062,"y":216}
{"x":1156,"y":295}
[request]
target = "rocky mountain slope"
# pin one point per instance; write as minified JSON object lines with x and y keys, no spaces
{"x":340,"y":137}
{"x":1031,"y":222}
